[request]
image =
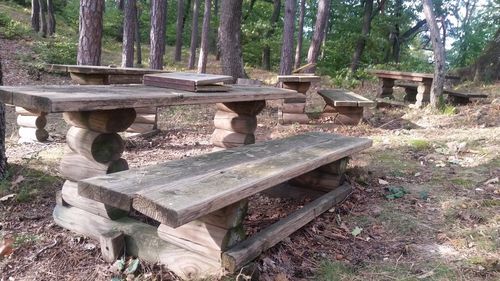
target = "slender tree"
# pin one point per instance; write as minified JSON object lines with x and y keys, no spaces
{"x":3,"y":157}
{"x":43,"y":20}
{"x":35,"y":15}
{"x":129,"y":24}
{"x":89,"y":42}
{"x":300,"y":34}
{"x":230,"y":39}
{"x":439,"y":56}
{"x":365,"y":31}
{"x":138,"y":36}
{"x":286,"y":61}
{"x":319,"y":32}
{"x":202,"y":62}
{"x":194,"y":35}
{"x":157,"y":34}
{"x":180,"y":26}
{"x":266,"y":49}
{"x":51,"y":19}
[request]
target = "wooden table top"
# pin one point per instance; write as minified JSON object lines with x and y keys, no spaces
{"x":298,"y":78}
{"x":105,"y":70}
{"x":411,"y":76}
{"x":105,"y":97}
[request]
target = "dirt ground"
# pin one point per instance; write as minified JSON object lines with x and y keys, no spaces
{"x":426,"y":201}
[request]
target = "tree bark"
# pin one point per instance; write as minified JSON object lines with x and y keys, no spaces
{"x":3,"y":157}
{"x":157,"y":34}
{"x":51,"y":21}
{"x":202,"y":62}
{"x":439,"y":55}
{"x":230,"y":39}
{"x":35,"y":15}
{"x":180,"y":26}
{"x":319,"y":32}
{"x":89,"y":42}
{"x":300,"y":34}
{"x":365,"y":31}
{"x":138,"y":37}
{"x":266,"y":49}
{"x":194,"y":35}
{"x":286,"y":62}
{"x":129,"y":24}
{"x":43,"y":21}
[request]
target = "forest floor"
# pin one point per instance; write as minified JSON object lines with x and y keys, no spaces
{"x":426,"y":201}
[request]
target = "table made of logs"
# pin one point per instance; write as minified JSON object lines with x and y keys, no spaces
{"x":293,"y":109}
{"x":424,"y":80}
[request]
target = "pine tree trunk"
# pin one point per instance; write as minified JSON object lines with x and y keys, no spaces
{"x":178,"y":36}
{"x":319,"y":32}
{"x":129,"y":24}
{"x":365,"y":31}
{"x":230,"y":39}
{"x":194,"y":35}
{"x":138,"y":49}
{"x":35,"y":15}
{"x":43,"y":21}
{"x":300,"y":34}
{"x":3,"y":157}
{"x":89,"y":42}
{"x":157,"y":34}
{"x":217,"y":39}
{"x":286,"y":61}
{"x":51,"y":22}
{"x":202,"y":62}
{"x":439,"y":56}
{"x":266,"y":49}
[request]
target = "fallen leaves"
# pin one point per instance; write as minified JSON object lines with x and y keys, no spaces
{"x":7,"y":247}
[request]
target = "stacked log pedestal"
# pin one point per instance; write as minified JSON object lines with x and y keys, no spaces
{"x":31,"y":125}
{"x":423,"y":93}
{"x":293,"y":110}
{"x":325,"y":178}
{"x":145,"y":121}
{"x":386,"y":88}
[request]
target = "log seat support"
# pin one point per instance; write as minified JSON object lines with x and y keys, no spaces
{"x":345,"y":106}
{"x":293,"y":110}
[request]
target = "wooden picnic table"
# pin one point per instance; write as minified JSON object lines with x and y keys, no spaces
{"x":293,"y":109}
{"x":424,"y":80}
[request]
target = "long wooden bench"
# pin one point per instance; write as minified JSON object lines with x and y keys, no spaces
{"x":201,"y":201}
{"x":454,"y":97}
{"x":346,"y":106}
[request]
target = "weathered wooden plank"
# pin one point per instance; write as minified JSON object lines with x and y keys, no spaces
{"x":298,"y":78}
{"x":339,"y":97}
{"x":229,"y":139}
{"x":177,"y":202}
{"x":93,"y":69}
{"x":112,"y":245}
{"x":464,"y":95}
{"x":410,"y":76}
{"x":141,"y":241}
{"x":29,"y":112}
{"x":244,"y":124}
{"x":186,"y":78}
{"x":252,"y":247}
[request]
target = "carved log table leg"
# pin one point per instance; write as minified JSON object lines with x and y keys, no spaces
{"x":293,"y":110}
{"x":423,"y":93}
{"x":31,"y":125}
{"x":386,"y":88}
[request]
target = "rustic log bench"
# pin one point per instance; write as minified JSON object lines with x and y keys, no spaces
{"x":454,"y":97}
{"x":346,"y":106}
{"x":201,"y":201}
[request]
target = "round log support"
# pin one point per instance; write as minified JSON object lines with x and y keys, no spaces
{"x":423,"y":93}
{"x":293,"y":110}
{"x":31,"y":125}
{"x":145,"y":121}
{"x":386,"y":88}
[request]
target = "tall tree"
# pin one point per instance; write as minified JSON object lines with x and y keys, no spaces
{"x":300,"y":34}
{"x":51,"y":18}
{"x":180,"y":26}
{"x":319,"y":32}
{"x":202,"y":62}
{"x":439,"y":56}
{"x":286,"y":61}
{"x":43,"y":20}
{"x":35,"y":15}
{"x":157,"y":34}
{"x":266,"y":49}
{"x":194,"y":35}
{"x":89,"y":42}
{"x":3,"y":157}
{"x":129,"y":24}
{"x":365,"y":31}
{"x":138,"y":36}
{"x":230,"y":38}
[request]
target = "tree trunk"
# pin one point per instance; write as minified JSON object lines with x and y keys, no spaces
{"x":89,"y":42}
{"x":194,"y":35}
{"x":51,"y":22}
{"x":129,"y":23}
{"x":217,"y":43}
{"x":439,"y":56}
{"x":43,"y":21}
{"x":266,"y":49}
{"x":300,"y":34}
{"x":178,"y":36}
{"x":138,"y":36}
{"x":365,"y":31}
{"x":230,"y":39}
{"x":157,"y":34}
{"x":202,"y":62}
{"x":319,"y":32}
{"x":35,"y":15}
{"x":286,"y":61}
{"x":3,"y":157}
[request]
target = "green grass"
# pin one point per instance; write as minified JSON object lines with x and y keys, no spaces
{"x":419,"y":144}
{"x":334,"y":271}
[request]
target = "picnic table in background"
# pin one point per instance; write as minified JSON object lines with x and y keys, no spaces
{"x":293,"y":109}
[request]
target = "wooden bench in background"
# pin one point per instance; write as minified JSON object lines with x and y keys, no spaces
{"x":201,"y":201}
{"x":454,"y":97}
{"x":346,"y":106}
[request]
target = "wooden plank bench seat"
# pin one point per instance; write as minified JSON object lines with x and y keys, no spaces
{"x":456,"y":97}
{"x":201,"y":201}
{"x":346,"y":106}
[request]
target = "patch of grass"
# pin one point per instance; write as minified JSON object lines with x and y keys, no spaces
{"x":23,"y":239}
{"x":419,"y":144}
{"x":399,"y":222}
{"x":463,"y":182}
{"x":334,"y":271}
{"x":447,"y":109}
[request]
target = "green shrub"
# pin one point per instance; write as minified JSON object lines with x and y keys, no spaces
{"x":11,"y":29}
{"x":56,"y":51}
{"x":4,"y":20}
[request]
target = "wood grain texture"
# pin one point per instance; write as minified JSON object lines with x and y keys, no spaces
{"x":252,"y":247}
{"x":230,"y":139}
{"x":99,"y":147}
{"x":340,"y":97}
{"x":38,"y":122}
{"x":187,"y":78}
{"x":87,"y":98}
{"x":291,"y":118}
{"x":103,"y":121}
{"x":244,"y":108}
{"x":112,"y":245}
{"x":298,"y":78}
{"x":244,"y":124}
{"x":76,"y":167}
{"x":216,"y":180}
{"x":293,"y":107}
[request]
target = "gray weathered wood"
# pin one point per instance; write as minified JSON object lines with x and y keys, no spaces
{"x":298,"y":78}
{"x":112,"y":245}
{"x":218,"y":179}
{"x":187,"y":78}
{"x":92,"y":69}
{"x":339,"y":97}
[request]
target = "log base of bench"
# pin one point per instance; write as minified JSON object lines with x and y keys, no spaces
{"x":344,"y":115}
{"x":31,"y":125}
